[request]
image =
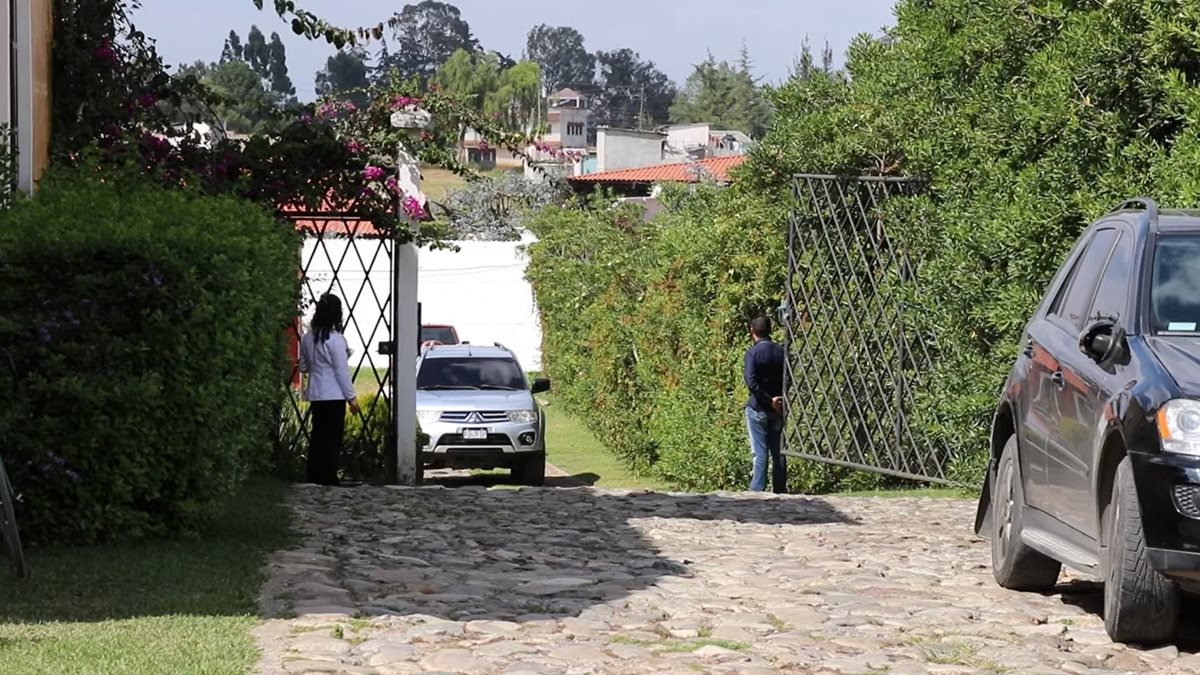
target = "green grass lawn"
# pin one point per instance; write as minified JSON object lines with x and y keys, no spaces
{"x":156,"y":607}
{"x":570,"y":446}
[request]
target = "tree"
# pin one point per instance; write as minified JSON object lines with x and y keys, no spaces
{"x":725,"y":95}
{"x":632,"y":92}
{"x":560,"y":54}
{"x":257,"y":53}
{"x":278,"y":71}
{"x":469,"y":77}
{"x":805,"y":66}
{"x":515,"y":100}
{"x":233,"y":48}
{"x":345,"y":76}
{"x":426,"y":36}
{"x":247,"y":106}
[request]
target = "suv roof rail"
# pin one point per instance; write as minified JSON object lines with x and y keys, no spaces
{"x":1142,"y":203}
{"x":497,"y":344}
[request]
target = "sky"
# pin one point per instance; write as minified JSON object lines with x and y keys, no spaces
{"x":675,"y":34}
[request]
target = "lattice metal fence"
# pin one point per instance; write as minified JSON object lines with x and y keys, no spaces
{"x":348,"y":257}
{"x":857,"y":360}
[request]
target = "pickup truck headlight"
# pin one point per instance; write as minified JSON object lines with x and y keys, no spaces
{"x":1179,"y":426}
{"x":522,"y":416}
{"x":428,"y":416}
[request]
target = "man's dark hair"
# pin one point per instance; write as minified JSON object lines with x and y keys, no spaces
{"x":761,"y":326}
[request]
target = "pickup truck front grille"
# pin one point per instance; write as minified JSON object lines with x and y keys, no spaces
{"x":485,"y":417}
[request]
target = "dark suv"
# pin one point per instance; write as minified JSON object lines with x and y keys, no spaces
{"x":1095,"y":445}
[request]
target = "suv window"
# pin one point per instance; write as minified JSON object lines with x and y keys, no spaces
{"x":470,"y":373}
{"x":1113,"y":292}
{"x":1175,"y":289}
{"x":1072,"y":308}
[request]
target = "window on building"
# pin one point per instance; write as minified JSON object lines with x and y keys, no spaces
{"x":575,"y":128}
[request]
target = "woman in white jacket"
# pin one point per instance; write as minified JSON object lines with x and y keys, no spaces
{"x":324,"y":358}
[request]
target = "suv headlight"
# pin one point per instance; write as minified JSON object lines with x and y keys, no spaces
{"x":1179,"y":426}
{"x":428,"y":416}
{"x":522,"y":416}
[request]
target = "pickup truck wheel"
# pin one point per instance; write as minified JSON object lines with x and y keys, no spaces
{"x":530,"y":470}
{"x":1014,"y":564}
{"x":1140,"y":604}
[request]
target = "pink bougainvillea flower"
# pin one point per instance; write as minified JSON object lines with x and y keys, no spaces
{"x":147,"y":100}
{"x":104,"y":52}
{"x":402,"y":102}
{"x":373,"y":173}
{"x":354,"y":147}
{"x":412,"y":207}
{"x":392,"y":184}
{"x":483,"y":146}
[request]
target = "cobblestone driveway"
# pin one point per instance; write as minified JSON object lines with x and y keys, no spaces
{"x":589,"y":581}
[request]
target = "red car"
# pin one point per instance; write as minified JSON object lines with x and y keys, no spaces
{"x":434,"y":335}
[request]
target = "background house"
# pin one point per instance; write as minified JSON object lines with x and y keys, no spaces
{"x":703,"y":141}
{"x":25,"y":84}
{"x":568,"y":119}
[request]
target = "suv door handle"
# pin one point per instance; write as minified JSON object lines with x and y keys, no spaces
{"x":1058,"y":379}
{"x":1029,"y":348}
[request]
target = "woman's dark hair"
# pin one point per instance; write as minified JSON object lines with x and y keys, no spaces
{"x":327,"y":318}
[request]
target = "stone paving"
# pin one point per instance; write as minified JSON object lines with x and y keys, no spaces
{"x":386,"y":581}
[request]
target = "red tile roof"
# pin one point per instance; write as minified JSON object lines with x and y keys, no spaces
{"x":684,"y":172}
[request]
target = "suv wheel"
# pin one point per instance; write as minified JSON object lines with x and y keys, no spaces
{"x":1014,"y":564}
{"x":1140,"y":604}
{"x":530,"y":470}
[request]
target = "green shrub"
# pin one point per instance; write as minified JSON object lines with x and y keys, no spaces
{"x":1030,"y":120}
{"x":644,"y":329}
{"x":364,"y":453}
{"x":141,"y":337}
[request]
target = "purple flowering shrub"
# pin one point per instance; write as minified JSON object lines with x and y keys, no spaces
{"x":141,"y":347}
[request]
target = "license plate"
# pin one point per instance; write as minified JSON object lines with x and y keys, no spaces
{"x":475,"y":434}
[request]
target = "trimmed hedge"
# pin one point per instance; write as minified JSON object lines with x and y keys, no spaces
{"x":141,"y":345}
{"x":644,"y":329}
{"x":1030,"y":119}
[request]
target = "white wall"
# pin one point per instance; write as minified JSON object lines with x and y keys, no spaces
{"x":625,"y":149}
{"x":480,"y":290}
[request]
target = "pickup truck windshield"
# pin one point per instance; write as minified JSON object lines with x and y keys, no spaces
{"x":470,"y":373}
{"x":1175,"y":289}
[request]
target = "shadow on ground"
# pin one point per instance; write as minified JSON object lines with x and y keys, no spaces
{"x":504,"y":479}
{"x":1089,"y":596}
{"x":511,"y":555}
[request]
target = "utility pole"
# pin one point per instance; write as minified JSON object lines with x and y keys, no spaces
{"x":642,"y":108}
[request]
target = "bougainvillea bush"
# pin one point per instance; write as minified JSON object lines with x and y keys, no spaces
{"x":141,"y":344}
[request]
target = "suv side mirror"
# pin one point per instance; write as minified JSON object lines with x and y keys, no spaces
{"x":1101,"y":340}
{"x":540,"y":386}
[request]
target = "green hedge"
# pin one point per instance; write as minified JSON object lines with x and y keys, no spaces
{"x":1030,"y":120}
{"x":141,"y":339}
{"x":644,"y":329}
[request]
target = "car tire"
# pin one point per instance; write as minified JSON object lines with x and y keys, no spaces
{"x":530,"y":470}
{"x":1141,"y":605}
{"x":1015,"y":565}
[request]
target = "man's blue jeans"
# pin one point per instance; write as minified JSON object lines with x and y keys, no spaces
{"x":766,"y":439}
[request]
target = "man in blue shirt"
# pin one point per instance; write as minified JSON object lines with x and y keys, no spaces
{"x":764,"y":410}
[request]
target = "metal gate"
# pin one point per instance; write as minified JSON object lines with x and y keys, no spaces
{"x":345,"y":255}
{"x":857,"y":358}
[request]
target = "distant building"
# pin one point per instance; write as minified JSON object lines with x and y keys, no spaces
{"x":704,"y":141}
{"x":563,"y":150}
{"x":641,"y":181}
{"x":627,"y":149}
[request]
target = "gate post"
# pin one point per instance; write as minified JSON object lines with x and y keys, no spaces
{"x":405,"y":329}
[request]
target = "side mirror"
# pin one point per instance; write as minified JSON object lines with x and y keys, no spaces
{"x":1101,"y":340}
{"x":540,"y":386}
